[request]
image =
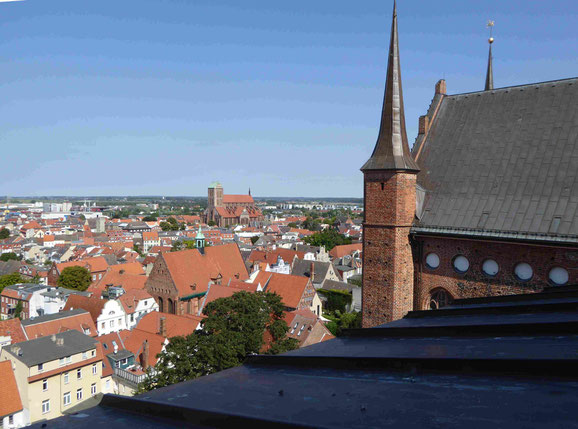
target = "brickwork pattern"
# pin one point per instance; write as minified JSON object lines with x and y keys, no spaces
{"x":475,"y":283}
{"x":388,"y":269}
{"x":161,"y":287}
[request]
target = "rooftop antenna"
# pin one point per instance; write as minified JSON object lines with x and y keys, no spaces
{"x":490,"y":72}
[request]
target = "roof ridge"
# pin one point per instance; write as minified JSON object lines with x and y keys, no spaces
{"x":513,"y":86}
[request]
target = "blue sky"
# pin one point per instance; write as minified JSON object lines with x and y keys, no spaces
{"x":163,"y":97}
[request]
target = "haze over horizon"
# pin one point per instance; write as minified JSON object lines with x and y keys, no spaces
{"x":163,"y":97}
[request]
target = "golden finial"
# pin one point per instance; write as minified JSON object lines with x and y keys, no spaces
{"x":490,"y":25}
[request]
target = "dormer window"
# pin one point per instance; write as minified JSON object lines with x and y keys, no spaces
{"x":294,"y":327}
{"x":301,"y":330}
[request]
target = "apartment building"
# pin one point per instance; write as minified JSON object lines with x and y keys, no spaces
{"x":55,"y":373}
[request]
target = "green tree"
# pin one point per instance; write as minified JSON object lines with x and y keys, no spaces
{"x":293,"y":225}
{"x":254,"y":239}
{"x":234,"y":327}
{"x":10,"y":279}
{"x":9,"y":257}
{"x":212,"y":223}
{"x":4,"y":233}
{"x":328,"y":237}
{"x":18,"y":310}
{"x":312,"y":224}
{"x":74,"y":277}
{"x":149,"y":218}
{"x":136,"y":248}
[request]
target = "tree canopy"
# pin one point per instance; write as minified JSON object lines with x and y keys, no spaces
{"x":74,"y":277}
{"x":9,"y":257}
{"x":234,"y":327}
{"x":328,"y":237}
{"x":10,"y":279}
{"x":171,"y":224}
{"x":4,"y":233}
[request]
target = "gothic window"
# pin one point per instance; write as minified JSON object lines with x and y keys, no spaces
{"x":161,"y":306}
{"x":439,"y":298}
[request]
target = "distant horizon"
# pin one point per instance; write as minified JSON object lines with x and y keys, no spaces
{"x":91,"y":197}
{"x":284,"y":98}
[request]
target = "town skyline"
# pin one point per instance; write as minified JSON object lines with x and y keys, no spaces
{"x":282,"y":99}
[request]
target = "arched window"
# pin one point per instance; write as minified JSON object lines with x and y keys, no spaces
{"x":439,"y":298}
{"x":161,"y":306}
{"x":171,"y":305}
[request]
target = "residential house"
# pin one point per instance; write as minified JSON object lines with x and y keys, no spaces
{"x":319,"y":272}
{"x":55,"y":373}
{"x":43,"y":326}
{"x":11,"y":332}
{"x":354,"y":290}
{"x":12,"y":413}
{"x":150,"y":239}
{"x":169,"y":325}
{"x":306,"y":327}
{"x":137,"y":303}
{"x":29,"y":295}
{"x":297,"y":292}
{"x":97,"y":267}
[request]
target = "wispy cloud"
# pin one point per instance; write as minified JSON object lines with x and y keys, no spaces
{"x":6,"y":1}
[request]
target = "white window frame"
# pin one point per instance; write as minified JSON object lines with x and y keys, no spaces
{"x":79,"y":394}
{"x":79,"y":374}
{"x":46,"y":406}
{"x":93,"y":389}
{"x":66,"y":375}
{"x":45,"y":385}
{"x":66,"y":399}
{"x":94,"y":369}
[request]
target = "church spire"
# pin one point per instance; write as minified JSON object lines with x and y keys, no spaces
{"x":490,"y":72}
{"x":392,"y":150}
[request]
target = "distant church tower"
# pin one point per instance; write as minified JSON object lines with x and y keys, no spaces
{"x":389,"y":207}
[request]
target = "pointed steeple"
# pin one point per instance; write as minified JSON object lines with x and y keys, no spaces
{"x":392,"y":150}
{"x":490,"y":72}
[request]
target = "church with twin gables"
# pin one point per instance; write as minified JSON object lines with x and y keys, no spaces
{"x":485,"y":203}
{"x":228,"y":210}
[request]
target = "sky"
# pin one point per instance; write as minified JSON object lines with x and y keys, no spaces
{"x":163,"y":97}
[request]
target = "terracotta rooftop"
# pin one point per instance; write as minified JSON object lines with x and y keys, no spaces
{"x":10,"y":402}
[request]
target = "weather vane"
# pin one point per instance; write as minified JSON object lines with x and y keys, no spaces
{"x":490,"y":25}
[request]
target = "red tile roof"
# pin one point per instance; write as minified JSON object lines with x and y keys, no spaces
{"x":10,"y":402}
{"x":131,"y":298}
{"x":78,"y":322}
{"x":134,"y":340}
{"x":93,"y":305}
{"x":115,"y":278}
{"x":189,"y":267}
{"x":290,"y":288}
{"x":270,"y":256}
{"x":231,"y":199}
{"x":128,"y":268}
{"x":175,"y":325}
{"x":150,"y":235}
{"x":12,"y":328}
{"x":96,"y":264}
{"x":345,"y":249}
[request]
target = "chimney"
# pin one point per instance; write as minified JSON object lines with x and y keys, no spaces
{"x":53,"y":338}
{"x":312,"y":271}
{"x":423,"y":124}
{"x":60,"y":341}
{"x":441,"y":87}
{"x":145,"y":355}
{"x":163,"y":327}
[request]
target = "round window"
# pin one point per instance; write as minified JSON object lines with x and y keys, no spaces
{"x":461,"y":264}
{"x":432,"y":260}
{"x":558,"y":276}
{"x":523,"y":271}
{"x":490,"y":267}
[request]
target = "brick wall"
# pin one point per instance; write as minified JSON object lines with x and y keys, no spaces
{"x":160,"y":285}
{"x":474,"y":283}
{"x":388,"y":268}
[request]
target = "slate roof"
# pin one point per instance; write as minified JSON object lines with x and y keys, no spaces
{"x":503,"y":162}
{"x":490,"y":362}
{"x":302,"y":267}
{"x":44,"y":349}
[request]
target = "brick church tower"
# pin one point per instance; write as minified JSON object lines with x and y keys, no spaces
{"x":389,"y":207}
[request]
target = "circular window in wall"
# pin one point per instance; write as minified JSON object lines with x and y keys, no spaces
{"x":461,"y":264}
{"x":490,"y":267}
{"x":432,"y":260}
{"x":523,"y":271}
{"x":558,"y":276}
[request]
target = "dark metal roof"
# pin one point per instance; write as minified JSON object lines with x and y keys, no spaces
{"x":51,"y":317}
{"x":391,"y":151}
{"x":45,"y":349}
{"x":490,"y":362}
{"x":504,"y":161}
